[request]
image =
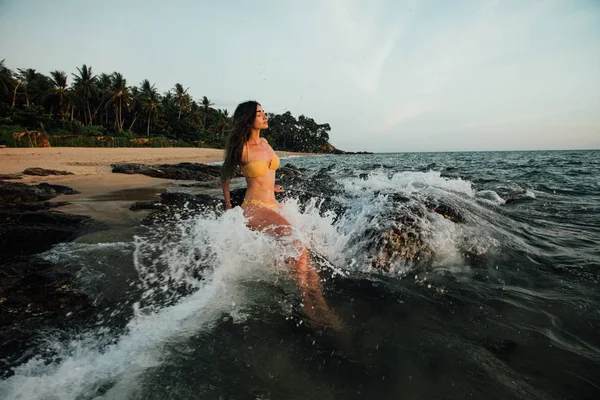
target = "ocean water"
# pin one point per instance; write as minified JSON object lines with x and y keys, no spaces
{"x":453,"y":275}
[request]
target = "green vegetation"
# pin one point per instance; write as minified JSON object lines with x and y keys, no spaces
{"x":85,"y":109}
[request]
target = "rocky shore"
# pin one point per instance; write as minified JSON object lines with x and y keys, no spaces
{"x":35,"y":293}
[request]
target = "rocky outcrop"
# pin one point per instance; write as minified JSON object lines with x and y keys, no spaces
{"x":45,"y":172}
{"x":8,"y":177}
{"x":181,"y":171}
{"x":29,"y":232}
{"x":33,"y":293}
{"x":14,"y":192}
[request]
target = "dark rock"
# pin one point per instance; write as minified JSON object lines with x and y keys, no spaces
{"x":446,"y":210}
{"x":45,"y":172}
{"x":11,"y":192}
{"x":183,"y":204}
{"x":34,"y":288}
{"x":37,"y":206}
{"x":34,"y":295}
{"x":146,"y":205}
{"x":181,"y":171}
{"x":189,"y":201}
{"x":14,"y":192}
{"x":7,"y":177}
{"x":60,"y":189}
{"x":23,"y":233}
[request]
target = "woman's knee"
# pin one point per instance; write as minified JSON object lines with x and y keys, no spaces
{"x":283,"y":229}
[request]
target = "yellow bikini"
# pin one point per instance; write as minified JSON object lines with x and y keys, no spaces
{"x":258,"y":168}
{"x":255,"y":169}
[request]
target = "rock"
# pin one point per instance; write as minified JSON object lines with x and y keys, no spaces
{"x":181,"y":171}
{"x":11,"y":192}
{"x":60,"y":189}
{"x":34,"y":296}
{"x":7,"y":177}
{"x":34,"y":288}
{"x":183,"y":204}
{"x":24,"y":233}
{"x":146,"y":205}
{"x":45,"y":172}
{"x":37,"y":206}
{"x":14,"y":192}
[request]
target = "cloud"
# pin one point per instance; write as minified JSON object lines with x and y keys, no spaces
{"x":403,"y":113}
{"x":364,"y":41}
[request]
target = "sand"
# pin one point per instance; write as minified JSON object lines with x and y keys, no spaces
{"x":104,"y":195}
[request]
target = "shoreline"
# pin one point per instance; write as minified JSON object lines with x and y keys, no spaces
{"x":104,"y":195}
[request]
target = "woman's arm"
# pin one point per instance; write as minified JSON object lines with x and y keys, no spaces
{"x":225,"y":186}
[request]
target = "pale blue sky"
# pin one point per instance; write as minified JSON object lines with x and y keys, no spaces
{"x":387,"y":75}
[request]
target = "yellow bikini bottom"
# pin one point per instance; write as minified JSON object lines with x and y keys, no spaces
{"x":259,"y":203}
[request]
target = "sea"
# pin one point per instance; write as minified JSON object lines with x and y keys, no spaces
{"x":452,"y":276}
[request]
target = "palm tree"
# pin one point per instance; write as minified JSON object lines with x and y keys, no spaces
{"x":6,"y":79}
{"x":206,"y":106}
{"x":119,"y":94}
{"x":223,"y":121}
{"x":59,"y":80}
{"x":181,"y":98}
{"x":24,"y":78}
{"x":104,"y":83}
{"x":84,"y":82}
{"x":150,"y":101}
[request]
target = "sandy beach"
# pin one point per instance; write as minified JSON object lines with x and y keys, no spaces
{"x":104,"y":195}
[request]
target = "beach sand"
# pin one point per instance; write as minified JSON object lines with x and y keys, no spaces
{"x":104,"y":195}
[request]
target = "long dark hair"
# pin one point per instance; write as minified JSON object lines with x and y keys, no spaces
{"x":243,"y":118}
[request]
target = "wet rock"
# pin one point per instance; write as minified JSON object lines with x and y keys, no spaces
{"x":146,"y":205}
{"x":7,"y":177}
{"x":45,"y":172}
{"x":183,"y":205}
{"x":34,"y":295}
{"x":319,"y":184}
{"x":448,"y":211}
{"x":400,"y":244}
{"x":37,"y":206}
{"x":14,"y":192}
{"x":289,"y":171}
{"x":181,"y":171}
{"x":24,"y":233}
{"x":59,"y":189}
{"x":35,"y":288}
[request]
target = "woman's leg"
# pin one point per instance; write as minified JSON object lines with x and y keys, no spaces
{"x":307,"y":279}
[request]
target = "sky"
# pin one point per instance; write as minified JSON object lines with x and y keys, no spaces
{"x":387,"y":75}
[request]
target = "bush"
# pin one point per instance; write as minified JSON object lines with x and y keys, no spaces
{"x":73,"y":127}
{"x":6,"y":132}
{"x":94,"y":130}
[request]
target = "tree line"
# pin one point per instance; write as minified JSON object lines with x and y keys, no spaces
{"x":91,"y":105}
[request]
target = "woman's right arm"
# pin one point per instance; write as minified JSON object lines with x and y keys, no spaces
{"x":225,"y":185}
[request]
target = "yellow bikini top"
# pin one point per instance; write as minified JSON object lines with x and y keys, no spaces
{"x":258,"y":168}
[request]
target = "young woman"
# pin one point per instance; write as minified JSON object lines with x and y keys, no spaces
{"x":258,"y":163}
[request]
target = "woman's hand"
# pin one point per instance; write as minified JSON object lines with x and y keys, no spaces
{"x":278,"y":188}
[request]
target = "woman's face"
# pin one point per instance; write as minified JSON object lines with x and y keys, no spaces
{"x":260,"y":122}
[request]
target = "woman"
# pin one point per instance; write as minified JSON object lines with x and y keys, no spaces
{"x":258,"y":162}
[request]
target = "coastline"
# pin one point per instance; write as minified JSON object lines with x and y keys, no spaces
{"x":104,"y":195}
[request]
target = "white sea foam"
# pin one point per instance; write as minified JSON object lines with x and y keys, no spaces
{"x":230,"y":253}
{"x":490,"y":196}
{"x":408,"y":182}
